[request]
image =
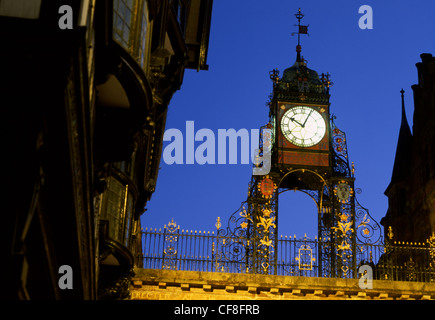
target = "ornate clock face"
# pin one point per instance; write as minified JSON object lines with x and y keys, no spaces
{"x":303,"y":126}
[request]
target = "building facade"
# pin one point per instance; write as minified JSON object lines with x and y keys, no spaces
{"x":86,"y":85}
{"x":411,"y":192}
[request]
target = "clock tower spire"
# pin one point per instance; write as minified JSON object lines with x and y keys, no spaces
{"x":301,"y":30}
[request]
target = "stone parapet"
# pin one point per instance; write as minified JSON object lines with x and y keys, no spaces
{"x":151,"y":284}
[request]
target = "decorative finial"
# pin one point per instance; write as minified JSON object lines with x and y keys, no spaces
{"x":402,"y":92}
{"x":325,"y":78}
{"x":274,"y":76}
{"x":404,"y":119}
{"x":218,"y":223}
{"x":390,"y":233}
{"x":299,"y":15}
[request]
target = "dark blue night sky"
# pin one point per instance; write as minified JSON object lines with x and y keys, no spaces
{"x":250,"y":38}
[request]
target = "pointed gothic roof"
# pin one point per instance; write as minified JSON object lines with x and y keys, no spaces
{"x":403,"y":150}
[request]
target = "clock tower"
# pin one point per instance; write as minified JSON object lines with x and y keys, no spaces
{"x":308,"y":153}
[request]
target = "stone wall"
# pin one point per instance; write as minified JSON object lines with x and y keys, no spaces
{"x":150,"y":284}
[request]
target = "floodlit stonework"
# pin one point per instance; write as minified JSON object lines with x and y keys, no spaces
{"x":150,"y":284}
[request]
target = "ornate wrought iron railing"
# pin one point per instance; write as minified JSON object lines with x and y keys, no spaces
{"x":177,"y":249}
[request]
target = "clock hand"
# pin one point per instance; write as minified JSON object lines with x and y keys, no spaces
{"x":303,"y":126}
{"x":294,"y":120}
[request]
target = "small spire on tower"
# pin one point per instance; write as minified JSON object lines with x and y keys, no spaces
{"x":403,"y":150}
{"x":301,"y":30}
{"x":404,"y":120}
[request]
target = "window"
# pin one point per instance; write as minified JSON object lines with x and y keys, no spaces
{"x":122,"y":13}
{"x":118,"y":210}
{"x":180,"y":11}
{"x":130,"y":26}
{"x":128,"y":220}
{"x":114,"y":206}
{"x":143,"y":35}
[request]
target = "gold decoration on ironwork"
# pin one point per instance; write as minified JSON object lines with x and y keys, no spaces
{"x":265,"y":266}
{"x":305,"y":256}
{"x":266,"y":242}
{"x":245,"y":215}
{"x":219,"y":266}
{"x":267,"y":212}
{"x":390,"y":233}
{"x":365,"y":221}
{"x":266,"y":221}
{"x":431,"y":242}
{"x":411,"y":274}
{"x":170,"y":251}
{"x":172,"y":226}
{"x":344,"y":231}
{"x":218,"y":223}
{"x":265,"y":226}
{"x":344,"y":225}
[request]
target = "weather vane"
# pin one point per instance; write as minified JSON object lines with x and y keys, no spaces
{"x":301,"y":30}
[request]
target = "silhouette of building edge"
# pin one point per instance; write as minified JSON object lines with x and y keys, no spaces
{"x":411,"y":192}
{"x":86,"y":103}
